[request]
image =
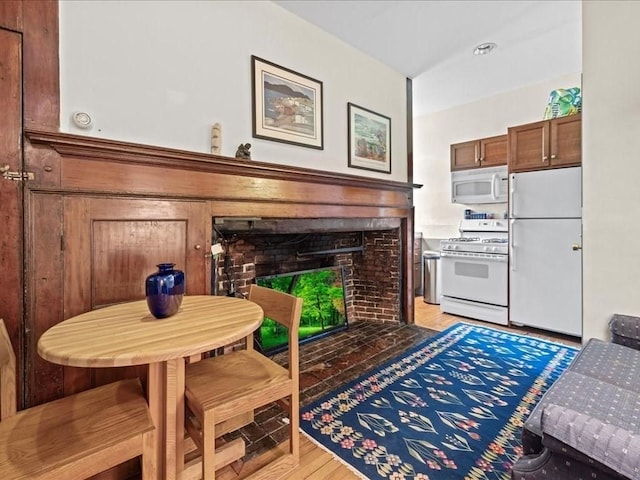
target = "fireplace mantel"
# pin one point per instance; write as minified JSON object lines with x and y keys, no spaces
{"x":67,"y":164}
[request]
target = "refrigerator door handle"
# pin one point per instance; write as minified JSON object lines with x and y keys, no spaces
{"x":512,"y":245}
{"x":512,"y":191}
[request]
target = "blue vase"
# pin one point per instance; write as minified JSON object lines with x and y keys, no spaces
{"x":164,"y":289}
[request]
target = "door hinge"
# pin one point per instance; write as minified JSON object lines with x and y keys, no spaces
{"x":16,"y":176}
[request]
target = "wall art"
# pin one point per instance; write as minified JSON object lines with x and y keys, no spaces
{"x":369,"y":139}
{"x":287,"y":106}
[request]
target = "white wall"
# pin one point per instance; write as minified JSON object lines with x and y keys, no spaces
{"x":435,"y":215}
{"x":611,"y":162}
{"x":163,"y":72}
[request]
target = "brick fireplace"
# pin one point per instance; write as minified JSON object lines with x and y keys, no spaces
{"x":369,"y":252}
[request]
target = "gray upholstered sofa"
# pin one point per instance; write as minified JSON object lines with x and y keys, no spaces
{"x":587,"y":425}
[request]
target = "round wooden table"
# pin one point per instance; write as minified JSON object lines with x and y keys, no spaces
{"x":127,"y":334}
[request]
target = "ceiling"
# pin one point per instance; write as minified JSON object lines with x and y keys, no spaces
{"x":432,"y":42}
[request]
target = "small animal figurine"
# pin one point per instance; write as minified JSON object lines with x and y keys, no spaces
{"x":243,"y":151}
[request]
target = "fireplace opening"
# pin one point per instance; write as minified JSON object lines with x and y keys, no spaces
{"x":366,"y":253}
{"x":323,"y":309}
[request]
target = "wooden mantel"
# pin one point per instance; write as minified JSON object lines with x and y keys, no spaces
{"x":388,"y":193}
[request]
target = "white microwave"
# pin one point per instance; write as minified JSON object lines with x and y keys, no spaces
{"x":480,"y":185}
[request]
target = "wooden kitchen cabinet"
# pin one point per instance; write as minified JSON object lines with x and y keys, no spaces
{"x":486,"y":152}
{"x":547,"y":144}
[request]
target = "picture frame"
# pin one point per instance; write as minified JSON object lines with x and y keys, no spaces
{"x":286,"y":105}
{"x":369,"y":139}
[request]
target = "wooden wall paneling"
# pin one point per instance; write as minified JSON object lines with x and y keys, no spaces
{"x":147,"y":219}
{"x":112,"y":244}
{"x":11,"y":191}
{"x":122,"y":155}
{"x":124,"y":252}
{"x":11,"y":15}
{"x":224,"y":208}
{"x":409,"y":109}
{"x":77,"y":287}
{"x":43,"y":380}
{"x":407,"y":294}
{"x":41,"y":64}
{"x":86,"y":175}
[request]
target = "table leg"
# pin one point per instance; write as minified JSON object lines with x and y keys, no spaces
{"x":166,"y":402}
{"x":156,"y":396}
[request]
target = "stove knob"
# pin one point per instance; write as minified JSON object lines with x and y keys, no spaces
{"x":494,"y":249}
{"x":486,"y":249}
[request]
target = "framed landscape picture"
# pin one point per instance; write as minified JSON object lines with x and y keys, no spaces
{"x":287,"y":106}
{"x":369,"y":139}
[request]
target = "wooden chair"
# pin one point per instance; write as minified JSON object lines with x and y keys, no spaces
{"x":223,"y":388}
{"x":73,"y":437}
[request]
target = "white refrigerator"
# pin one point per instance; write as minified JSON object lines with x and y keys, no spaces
{"x":545,"y":250}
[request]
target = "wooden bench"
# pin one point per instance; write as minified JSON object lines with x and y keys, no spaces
{"x":74,"y":437}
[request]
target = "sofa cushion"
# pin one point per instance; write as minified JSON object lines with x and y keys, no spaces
{"x":610,"y":363}
{"x":615,"y":447}
{"x":625,"y":330}
{"x":607,"y":402}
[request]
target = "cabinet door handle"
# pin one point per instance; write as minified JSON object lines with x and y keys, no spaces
{"x":553,"y":157}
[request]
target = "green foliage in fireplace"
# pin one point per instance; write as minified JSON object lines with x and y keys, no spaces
{"x":323,"y":308}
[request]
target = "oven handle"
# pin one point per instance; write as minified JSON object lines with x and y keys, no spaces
{"x":512,"y":245}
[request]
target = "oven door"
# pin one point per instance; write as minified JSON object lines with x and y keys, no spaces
{"x":475,"y":276}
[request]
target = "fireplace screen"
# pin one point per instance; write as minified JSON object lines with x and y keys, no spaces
{"x":323,"y":309}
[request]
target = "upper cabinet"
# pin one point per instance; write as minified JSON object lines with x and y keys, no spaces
{"x":486,"y":152}
{"x":546,"y":144}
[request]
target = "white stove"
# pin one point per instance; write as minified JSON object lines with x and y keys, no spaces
{"x":474,"y":271}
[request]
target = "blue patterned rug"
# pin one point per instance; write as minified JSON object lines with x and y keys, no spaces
{"x":450,"y":408}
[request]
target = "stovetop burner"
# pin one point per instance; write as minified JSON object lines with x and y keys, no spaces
{"x":463,"y":246}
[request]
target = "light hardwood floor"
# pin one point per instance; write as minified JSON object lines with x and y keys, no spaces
{"x":316,"y":463}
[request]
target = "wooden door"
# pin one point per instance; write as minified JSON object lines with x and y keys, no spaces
{"x":105,"y":249}
{"x":528,"y":147}
{"x":11,"y":191}
{"x":493,"y":151}
{"x":465,"y":155}
{"x":566,"y":141}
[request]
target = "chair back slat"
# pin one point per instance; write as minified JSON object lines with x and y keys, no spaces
{"x":285,"y":309}
{"x":7,"y":375}
{"x":279,"y":306}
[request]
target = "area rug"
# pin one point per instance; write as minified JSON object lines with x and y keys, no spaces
{"x":450,"y":408}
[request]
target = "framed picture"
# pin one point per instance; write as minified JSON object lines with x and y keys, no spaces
{"x":287,"y":106}
{"x":369,"y":139}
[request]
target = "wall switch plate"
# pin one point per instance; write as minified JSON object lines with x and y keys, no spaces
{"x":216,"y":249}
